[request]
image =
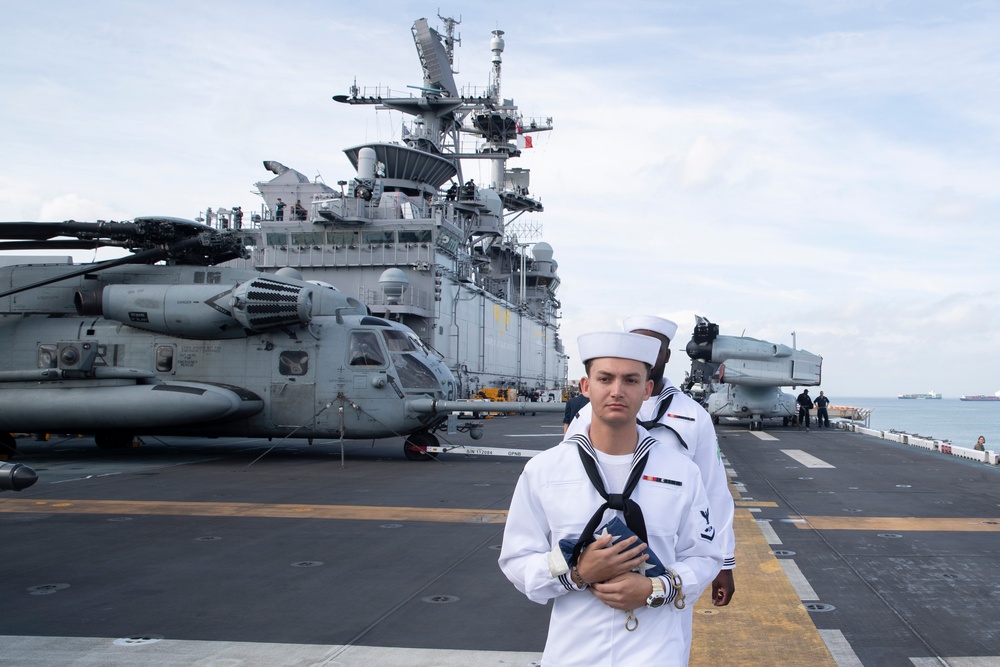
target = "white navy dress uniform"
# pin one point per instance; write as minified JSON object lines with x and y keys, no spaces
{"x":554,"y":500}
{"x":689,"y":431}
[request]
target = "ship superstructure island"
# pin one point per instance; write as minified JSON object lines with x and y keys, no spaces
{"x":416,"y":241}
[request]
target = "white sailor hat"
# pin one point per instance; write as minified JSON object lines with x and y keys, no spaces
{"x":650,"y":323}
{"x":618,"y":344}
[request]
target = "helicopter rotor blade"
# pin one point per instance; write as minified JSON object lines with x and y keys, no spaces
{"x":49,"y":244}
{"x":145,"y":257}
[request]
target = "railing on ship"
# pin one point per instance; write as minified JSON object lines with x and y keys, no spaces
{"x":416,"y":255}
{"x":412,"y":298}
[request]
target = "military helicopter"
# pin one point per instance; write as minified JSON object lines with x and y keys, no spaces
{"x":165,"y":341}
{"x":739,"y":376}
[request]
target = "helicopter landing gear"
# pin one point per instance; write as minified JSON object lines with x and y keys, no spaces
{"x":415,"y":447}
{"x":8,"y":446}
{"x":112,"y":440}
{"x":756,"y":424}
{"x":784,"y":421}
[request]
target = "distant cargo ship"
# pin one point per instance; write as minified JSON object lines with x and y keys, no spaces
{"x":981,"y":397}
{"x":930,"y":394}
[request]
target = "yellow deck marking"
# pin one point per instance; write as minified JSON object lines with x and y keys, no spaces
{"x":900,"y":523}
{"x":765,"y":624}
{"x":754,"y":503}
{"x":270,"y":510}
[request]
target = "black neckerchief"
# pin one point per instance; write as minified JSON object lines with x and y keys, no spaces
{"x":616,"y":501}
{"x":661,"y":410}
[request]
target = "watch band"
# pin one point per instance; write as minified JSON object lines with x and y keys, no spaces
{"x":659,"y":595}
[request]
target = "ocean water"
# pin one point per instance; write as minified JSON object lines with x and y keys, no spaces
{"x":960,"y":422}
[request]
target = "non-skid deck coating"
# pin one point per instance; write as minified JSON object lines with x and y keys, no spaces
{"x":185,"y":552}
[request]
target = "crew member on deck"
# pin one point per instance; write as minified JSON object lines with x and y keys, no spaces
{"x":469,"y":189}
{"x":805,"y":405}
{"x":822,"y":415}
{"x":679,"y":422}
{"x":605,"y":609}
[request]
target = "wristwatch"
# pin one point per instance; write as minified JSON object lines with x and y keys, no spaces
{"x":659,"y":594}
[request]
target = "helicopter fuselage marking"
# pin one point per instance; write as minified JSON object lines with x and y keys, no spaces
{"x":392,"y":383}
{"x":213,"y":302}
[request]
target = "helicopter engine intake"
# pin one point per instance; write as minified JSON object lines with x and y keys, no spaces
{"x":202,"y":311}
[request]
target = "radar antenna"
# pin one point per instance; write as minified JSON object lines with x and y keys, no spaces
{"x":496,"y":46}
{"x":450,"y":40}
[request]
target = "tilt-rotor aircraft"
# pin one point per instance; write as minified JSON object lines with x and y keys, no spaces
{"x":740,"y":377}
{"x":164,"y":341}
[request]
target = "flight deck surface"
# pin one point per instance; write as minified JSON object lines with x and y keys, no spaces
{"x":850,"y":551}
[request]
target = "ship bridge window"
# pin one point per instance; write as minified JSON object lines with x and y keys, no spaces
{"x":293,"y":362}
{"x":277,"y":238}
{"x":415,"y":236}
{"x":365,"y":350}
{"x":341,"y":238}
{"x":377,"y":237}
{"x":307,"y":238}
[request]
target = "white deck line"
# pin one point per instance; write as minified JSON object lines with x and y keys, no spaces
{"x":100,"y":652}
{"x":769,"y":534}
{"x":798,"y":580}
{"x":840,"y":649}
{"x":808,"y":460}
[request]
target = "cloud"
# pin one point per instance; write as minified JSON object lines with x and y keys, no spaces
{"x":828,"y":168}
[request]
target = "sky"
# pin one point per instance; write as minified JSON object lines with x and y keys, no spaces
{"x":827,"y":167}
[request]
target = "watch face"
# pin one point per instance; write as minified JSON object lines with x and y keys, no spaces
{"x":657,"y":602}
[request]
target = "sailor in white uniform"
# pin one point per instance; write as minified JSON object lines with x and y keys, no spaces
{"x":679,"y":421}
{"x":615,"y":601}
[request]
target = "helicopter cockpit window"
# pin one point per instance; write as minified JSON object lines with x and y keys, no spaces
{"x":365,"y":350}
{"x":164,"y":358}
{"x":413,"y":374}
{"x":293,"y":362}
{"x":47,"y":356}
{"x":398,"y":341}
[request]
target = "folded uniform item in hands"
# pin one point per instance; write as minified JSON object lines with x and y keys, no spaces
{"x":653,"y":567}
